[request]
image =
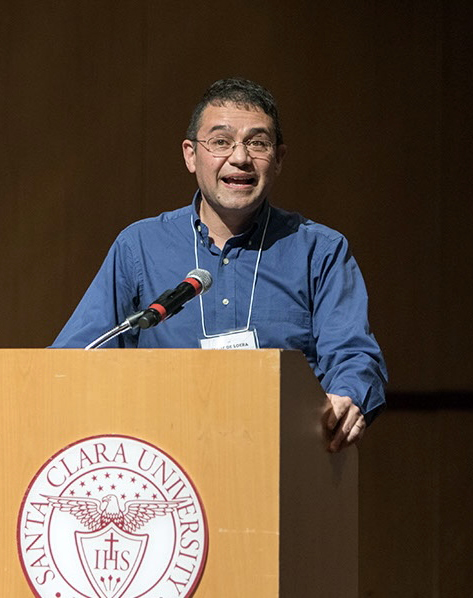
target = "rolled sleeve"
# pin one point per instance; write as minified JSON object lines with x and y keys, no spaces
{"x":349,"y":359}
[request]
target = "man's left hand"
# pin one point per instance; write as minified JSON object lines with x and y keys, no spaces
{"x":343,"y":422}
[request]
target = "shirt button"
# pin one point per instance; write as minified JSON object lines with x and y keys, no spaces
{"x":226,"y":260}
{"x":250,"y":243}
{"x":225,"y":301}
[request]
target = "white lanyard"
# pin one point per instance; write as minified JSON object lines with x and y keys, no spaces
{"x":258,"y":258}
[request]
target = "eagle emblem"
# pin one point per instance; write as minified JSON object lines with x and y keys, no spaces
{"x":111,"y":570}
{"x":96,"y":514}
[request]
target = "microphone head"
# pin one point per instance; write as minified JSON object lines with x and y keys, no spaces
{"x":203,"y":276}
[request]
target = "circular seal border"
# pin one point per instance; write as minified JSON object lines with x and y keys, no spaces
{"x":205,"y":549}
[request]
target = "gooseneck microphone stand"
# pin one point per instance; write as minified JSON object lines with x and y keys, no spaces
{"x":128,"y":324}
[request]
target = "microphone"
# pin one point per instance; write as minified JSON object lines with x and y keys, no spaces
{"x":197,"y":282}
{"x":171,"y":302}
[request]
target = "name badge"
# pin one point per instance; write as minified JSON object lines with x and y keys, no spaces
{"x":247,"y":339}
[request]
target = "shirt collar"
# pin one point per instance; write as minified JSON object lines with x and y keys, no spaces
{"x":251,"y":232}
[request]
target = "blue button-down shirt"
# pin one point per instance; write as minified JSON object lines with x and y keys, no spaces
{"x":309,"y":295}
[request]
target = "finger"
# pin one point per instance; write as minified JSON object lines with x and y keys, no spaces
{"x":357,"y":431}
{"x":331,"y":420}
{"x":336,"y":410}
{"x":350,"y":429}
{"x":339,"y":438}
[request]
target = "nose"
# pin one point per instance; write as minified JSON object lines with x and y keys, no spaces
{"x":240,"y":154}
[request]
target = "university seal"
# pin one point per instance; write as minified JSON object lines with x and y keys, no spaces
{"x":112,"y":517}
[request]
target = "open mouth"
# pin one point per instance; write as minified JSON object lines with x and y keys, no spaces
{"x":239,"y":181}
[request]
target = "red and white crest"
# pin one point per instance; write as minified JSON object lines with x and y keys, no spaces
{"x":111,"y":558}
{"x":112,"y":517}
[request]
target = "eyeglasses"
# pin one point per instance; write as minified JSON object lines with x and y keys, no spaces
{"x":224,"y":146}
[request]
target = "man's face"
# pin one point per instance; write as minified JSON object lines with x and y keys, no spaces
{"x":235,"y":185}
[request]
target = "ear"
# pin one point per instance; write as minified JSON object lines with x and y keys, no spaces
{"x":188,"y":151}
{"x":280,"y":153}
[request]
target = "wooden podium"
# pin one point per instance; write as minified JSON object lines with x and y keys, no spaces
{"x":282,"y":512}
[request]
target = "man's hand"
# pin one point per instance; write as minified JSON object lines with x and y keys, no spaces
{"x":343,"y":422}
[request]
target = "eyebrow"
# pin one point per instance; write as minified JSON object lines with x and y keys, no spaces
{"x":250,"y":133}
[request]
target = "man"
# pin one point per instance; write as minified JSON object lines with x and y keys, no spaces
{"x":279,"y":280}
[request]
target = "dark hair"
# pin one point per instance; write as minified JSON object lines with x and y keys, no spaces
{"x":241,"y":92}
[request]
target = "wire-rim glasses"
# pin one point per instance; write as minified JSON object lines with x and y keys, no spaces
{"x":225,"y":146}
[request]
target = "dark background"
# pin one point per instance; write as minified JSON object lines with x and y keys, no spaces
{"x":375,"y":98}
